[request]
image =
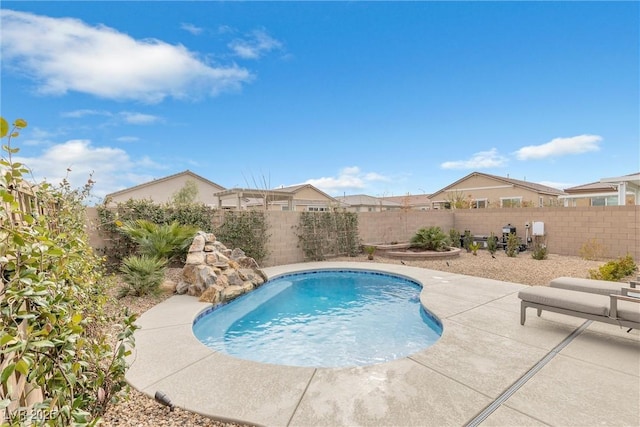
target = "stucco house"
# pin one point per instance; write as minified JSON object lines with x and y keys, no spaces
{"x":417,"y":202}
{"x":480,"y":190}
{"x":162,"y":190}
{"x":301,"y":198}
{"x":364,"y":203}
{"x":615,"y":191}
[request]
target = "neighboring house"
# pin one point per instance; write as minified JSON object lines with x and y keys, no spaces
{"x":162,"y":190}
{"x":419,"y":202}
{"x":606,"y":192}
{"x":364,"y":203}
{"x":301,"y":198}
{"x":481,"y":190}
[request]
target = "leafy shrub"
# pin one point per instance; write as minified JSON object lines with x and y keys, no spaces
{"x":161,"y":241}
{"x":492,"y":244}
{"x":55,"y":330}
{"x":322,"y":234}
{"x":512,"y":245}
{"x":593,"y":250}
{"x":474,"y":246}
{"x":120,"y":246}
{"x":454,"y":236}
{"x":540,"y":250}
{"x":142,"y":275}
{"x":467,"y":240}
{"x":615,"y":270}
{"x":247,"y":230}
{"x":431,"y":239}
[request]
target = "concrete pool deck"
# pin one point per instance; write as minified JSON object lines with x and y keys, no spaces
{"x":591,"y":378}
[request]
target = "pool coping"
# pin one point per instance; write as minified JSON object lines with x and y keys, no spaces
{"x":482,"y":352}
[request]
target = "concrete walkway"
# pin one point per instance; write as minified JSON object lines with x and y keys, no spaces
{"x":483,"y":351}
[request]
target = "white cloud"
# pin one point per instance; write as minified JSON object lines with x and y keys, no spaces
{"x":138,"y":118}
{"x":480,"y":160}
{"x":190,"y":28}
{"x":65,"y":54}
{"x":257,"y":44}
{"x":77,"y":114}
{"x":111,"y":167}
{"x":560,"y":147}
{"x":349,"y":179}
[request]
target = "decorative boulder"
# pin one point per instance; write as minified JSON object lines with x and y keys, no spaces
{"x":217,"y":274}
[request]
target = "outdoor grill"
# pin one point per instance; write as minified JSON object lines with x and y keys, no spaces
{"x":506,"y":230}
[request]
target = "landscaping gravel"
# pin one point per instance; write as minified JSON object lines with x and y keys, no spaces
{"x":140,"y":410}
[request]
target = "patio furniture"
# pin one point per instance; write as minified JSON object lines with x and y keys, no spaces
{"x":602,"y":287}
{"x":623,"y":309}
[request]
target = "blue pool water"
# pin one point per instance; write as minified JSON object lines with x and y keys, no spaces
{"x":322,"y":319}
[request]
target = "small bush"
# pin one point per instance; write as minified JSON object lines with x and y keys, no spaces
{"x":474,"y":246}
{"x":512,"y":245}
{"x":615,"y":270}
{"x":162,"y":241}
{"x":142,"y":275}
{"x":593,"y":250}
{"x":430,"y":239}
{"x":540,"y":250}
{"x":467,"y":240}
{"x":454,"y":236}
{"x":492,"y":244}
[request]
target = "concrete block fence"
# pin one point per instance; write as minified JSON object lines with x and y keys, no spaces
{"x":617,"y":228}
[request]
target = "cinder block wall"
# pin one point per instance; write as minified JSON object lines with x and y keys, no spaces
{"x":617,"y":228}
{"x":283,"y":241}
{"x":393,"y":226}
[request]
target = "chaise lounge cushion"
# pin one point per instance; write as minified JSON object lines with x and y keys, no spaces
{"x":602,"y":287}
{"x":582,"y":302}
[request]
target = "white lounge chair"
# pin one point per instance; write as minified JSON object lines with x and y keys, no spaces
{"x":622,"y":309}
{"x":602,"y":287}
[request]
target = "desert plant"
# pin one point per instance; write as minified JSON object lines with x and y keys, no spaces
{"x":593,"y":250}
{"x":474,"y":246}
{"x":540,"y":250}
{"x":492,"y":244}
{"x":467,"y":240}
{"x":161,"y":241}
{"x":512,"y":245}
{"x":431,"y":239}
{"x":142,"y":275}
{"x":370,"y":250}
{"x":615,"y":270}
{"x":454,"y":236}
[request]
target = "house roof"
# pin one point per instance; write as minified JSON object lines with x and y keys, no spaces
{"x":365,"y":200}
{"x":632,"y":180}
{"x":295,"y":188}
{"x":590,"y":188}
{"x":411,"y":200}
{"x":538,"y":188}
{"x":160,"y":180}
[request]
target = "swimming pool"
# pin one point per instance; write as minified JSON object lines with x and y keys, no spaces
{"x":325,"y":318}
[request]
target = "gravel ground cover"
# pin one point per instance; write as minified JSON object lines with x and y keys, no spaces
{"x":140,"y":410}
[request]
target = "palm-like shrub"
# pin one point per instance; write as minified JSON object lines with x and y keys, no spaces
{"x":431,"y":239}
{"x":142,"y":275}
{"x":164,"y":241}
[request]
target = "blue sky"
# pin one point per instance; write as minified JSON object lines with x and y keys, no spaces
{"x":378,"y":98}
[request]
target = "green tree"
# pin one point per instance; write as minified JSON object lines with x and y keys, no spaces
{"x":186,"y":195}
{"x":55,"y":331}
